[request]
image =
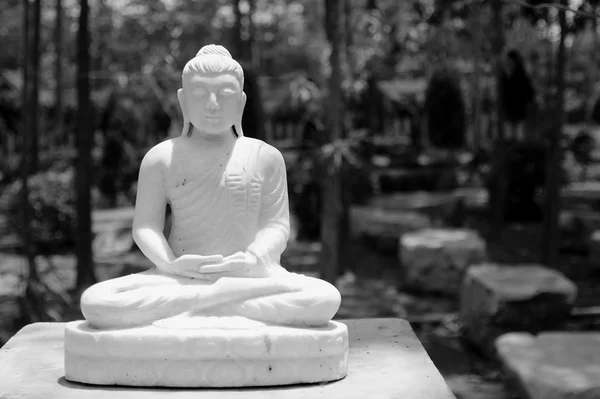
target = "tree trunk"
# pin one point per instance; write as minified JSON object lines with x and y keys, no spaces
{"x":500,"y":184}
{"x":333,"y":209}
{"x":551,"y":232}
{"x":35,"y":82}
{"x":26,"y":159}
{"x":85,"y":269}
{"x":347,"y":42}
{"x":594,"y":57}
{"x":240,"y":52}
{"x":373,"y":106}
{"x":254,"y":63}
{"x":594,"y":10}
{"x":478,"y":98}
{"x":253,"y":54}
{"x":58,"y":43}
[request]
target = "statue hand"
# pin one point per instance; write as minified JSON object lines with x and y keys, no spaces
{"x":231,"y":264}
{"x":240,"y":264}
{"x":187,"y":265}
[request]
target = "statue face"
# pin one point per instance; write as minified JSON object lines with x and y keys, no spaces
{"x":213,"y":103}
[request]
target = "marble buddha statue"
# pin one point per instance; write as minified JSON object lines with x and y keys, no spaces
{"x":217,"y":281}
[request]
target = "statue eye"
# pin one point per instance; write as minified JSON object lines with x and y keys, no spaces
{"x":227,"y":92}
{"x":199,"y":90}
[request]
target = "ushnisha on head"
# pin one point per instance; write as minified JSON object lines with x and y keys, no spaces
{"x":212,"y":98}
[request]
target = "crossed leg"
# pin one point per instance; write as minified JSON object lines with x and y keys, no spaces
{"x":314,"y":304}
{"x":142,"y":298}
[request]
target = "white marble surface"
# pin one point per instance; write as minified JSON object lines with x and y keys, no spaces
{"x":206,"y":357}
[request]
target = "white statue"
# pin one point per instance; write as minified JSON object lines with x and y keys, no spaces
{"x":219,"y":268}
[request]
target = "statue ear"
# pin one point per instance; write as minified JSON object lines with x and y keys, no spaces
{"x":186,"y":120}
{"x":238,"y":124}
{"x":243,"y":101}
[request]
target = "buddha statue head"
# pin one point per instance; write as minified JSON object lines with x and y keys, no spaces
{"x":212,"y":99}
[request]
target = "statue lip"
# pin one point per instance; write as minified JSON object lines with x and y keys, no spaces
{"x":213,"y":117}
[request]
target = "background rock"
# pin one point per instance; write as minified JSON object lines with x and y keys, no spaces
{"x":435,"y":260}
{"x":496,"y":299}
{"x":552,"y":365}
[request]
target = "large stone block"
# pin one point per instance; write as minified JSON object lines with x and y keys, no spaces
{"x":442,"y":208}
{"x":381,"y":222}
{"x":577,"y":229}
{"x":383,"y":227}
{"x":496,"y":299}
{"x":435,"y":260}
{"x":594,"y":249}
{"x":552,"y":365}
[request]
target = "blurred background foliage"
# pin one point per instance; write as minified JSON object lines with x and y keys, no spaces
{"x":392,"y":116}
{"x":418,"y":98}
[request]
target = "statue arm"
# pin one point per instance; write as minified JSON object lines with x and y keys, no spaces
{"x":274,"y":221}
{"x":151,"y":202}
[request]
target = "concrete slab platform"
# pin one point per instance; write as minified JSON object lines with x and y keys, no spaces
{"x":386,"y":361}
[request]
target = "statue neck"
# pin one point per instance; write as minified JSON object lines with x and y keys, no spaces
{"x":215,"y":140}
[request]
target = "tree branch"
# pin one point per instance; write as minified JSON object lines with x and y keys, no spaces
{"x":523,"y":3}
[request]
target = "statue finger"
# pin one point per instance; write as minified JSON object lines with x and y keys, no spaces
{"x":214,"y":269}
{"x":188,"y":260}
{"x":226,"y":266}
{"x":195,"y":275}
{"x":210,"y":259}
{"x":235,"y":256}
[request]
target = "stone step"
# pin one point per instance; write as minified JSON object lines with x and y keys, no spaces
{"x":496,"y":299}
{"x":381,"y":222}
{"x":435,"y":260}
{"x":556,"y":365}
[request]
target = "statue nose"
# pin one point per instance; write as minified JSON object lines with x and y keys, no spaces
{"x":212,"y":102}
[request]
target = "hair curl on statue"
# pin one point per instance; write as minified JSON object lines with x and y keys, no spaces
{"x":214,"y":59}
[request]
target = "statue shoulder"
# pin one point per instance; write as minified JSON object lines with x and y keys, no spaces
{"x":268,"y":153}
{"x":159,"y":155}
{"x":270,"y":158}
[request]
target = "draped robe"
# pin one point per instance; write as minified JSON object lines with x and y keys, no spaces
{"x":240,"y":204}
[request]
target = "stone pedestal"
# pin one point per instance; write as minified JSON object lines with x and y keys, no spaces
{"x":594,"y":249}
{"x":552,"y":365}
{"x":385,"y":226}
{"x":442,"y":208}
{"x":577,"y":229}
{"x":580,"y":215}
{"x":435,"y":260}
{"x":496,"y":299}
{"x":230,"y":355}
{"x":380,"y":222}
{"x":386,"y":360}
